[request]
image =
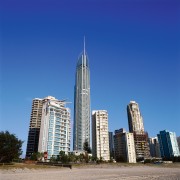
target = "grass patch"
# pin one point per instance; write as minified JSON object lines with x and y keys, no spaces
{"x":25,"y":166}
{"x":86,"y":165}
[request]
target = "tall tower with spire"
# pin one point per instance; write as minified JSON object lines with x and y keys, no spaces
{"x":82,"y":102}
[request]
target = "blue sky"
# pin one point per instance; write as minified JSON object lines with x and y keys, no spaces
{"x":134,"y":54}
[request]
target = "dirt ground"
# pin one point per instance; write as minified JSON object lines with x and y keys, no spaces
{"x":96,"y":172}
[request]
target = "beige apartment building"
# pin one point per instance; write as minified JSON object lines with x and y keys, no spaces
{"x":100,"y":136}
{"x":130,"y":148}
{"x":124,"y":146}
{"x":34,"y":127}
{"x":136,"y":126}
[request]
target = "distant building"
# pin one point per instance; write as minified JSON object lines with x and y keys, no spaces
{"x":77,"y":153}
{"x":124,"y":146}
{"x":100,"y":137}
{"x":121,"y":130}
{"x":154,"y":147}
{"x":55,"y":127}
{"x":82,"y":103}
{"x":111,"y":144}
{"x":136,"y":127}
{"x":168,"y":144}
{"x":34,"y":127}
{"x":178,"y":141}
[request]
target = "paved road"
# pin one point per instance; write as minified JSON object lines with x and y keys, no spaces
{"x":93,"y":173}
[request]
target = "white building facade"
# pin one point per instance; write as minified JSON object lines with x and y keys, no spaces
{"x":130,"y":148}
{"x":100,"y":135}
{"x":55,"y":127}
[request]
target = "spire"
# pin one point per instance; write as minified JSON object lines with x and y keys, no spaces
{"x":83,"y":59}
{"x":84,"y":45}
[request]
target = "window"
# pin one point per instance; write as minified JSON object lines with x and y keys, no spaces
{"x":49,"y":147}
{"x":50,"y":134}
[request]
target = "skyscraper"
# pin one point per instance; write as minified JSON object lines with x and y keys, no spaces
{"x":136,"y":127}
{"x":168,"y":144}
{"x":55,"y":127}
{"x":34,"y":127}
{"x":178,"y":141}
{"x":49,"y":129}
{"x":100,"y":136}
{"x":82,"y":103}
{"x":135,"y":119}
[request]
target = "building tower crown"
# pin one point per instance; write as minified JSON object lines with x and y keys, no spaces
{"x":83,"y":58}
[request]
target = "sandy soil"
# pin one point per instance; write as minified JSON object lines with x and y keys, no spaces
{"x":99,"y":172}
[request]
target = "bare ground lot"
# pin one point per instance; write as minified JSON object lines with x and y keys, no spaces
{"x":92,"y":172}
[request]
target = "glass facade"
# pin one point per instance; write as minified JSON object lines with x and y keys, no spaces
{"x":168,"y":144}
{"x":55,"y":129}
{"x":82,"y":103}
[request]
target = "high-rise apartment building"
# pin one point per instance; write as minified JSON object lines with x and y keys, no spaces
{"x":135,"y":119}
{"x":168,"y":144}
{"x":124,"y":146}
{"x":178,"y":141}
{"x":49,"y":128}
{"x":154,"y":147}
{"x":100,"y":137}
{"x":34,"y":127}
{"x":55,"y":127}
{"x":130,"y":147}
{"x":120,"y":145}
{"x":111,"y":144}
{"x":136,"y":127}
{"x":82,"y":103}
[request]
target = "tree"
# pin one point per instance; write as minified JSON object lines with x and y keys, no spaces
{"x":86,"y":147}
{"x":53,"y":159}
{"x":81,"y":157}
{"x":72,"y":157}
{"x":10,"y":147}
{"x":37,"y":156}
{"x":120,"y":159}
{"x":99,"y":160}
{"x":63,"y":157}
{"x":94,"y":159}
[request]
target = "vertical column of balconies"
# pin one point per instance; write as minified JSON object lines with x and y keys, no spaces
{"x":100,"y":134}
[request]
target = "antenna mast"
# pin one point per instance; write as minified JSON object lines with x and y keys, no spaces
{"x":84,"y":45}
